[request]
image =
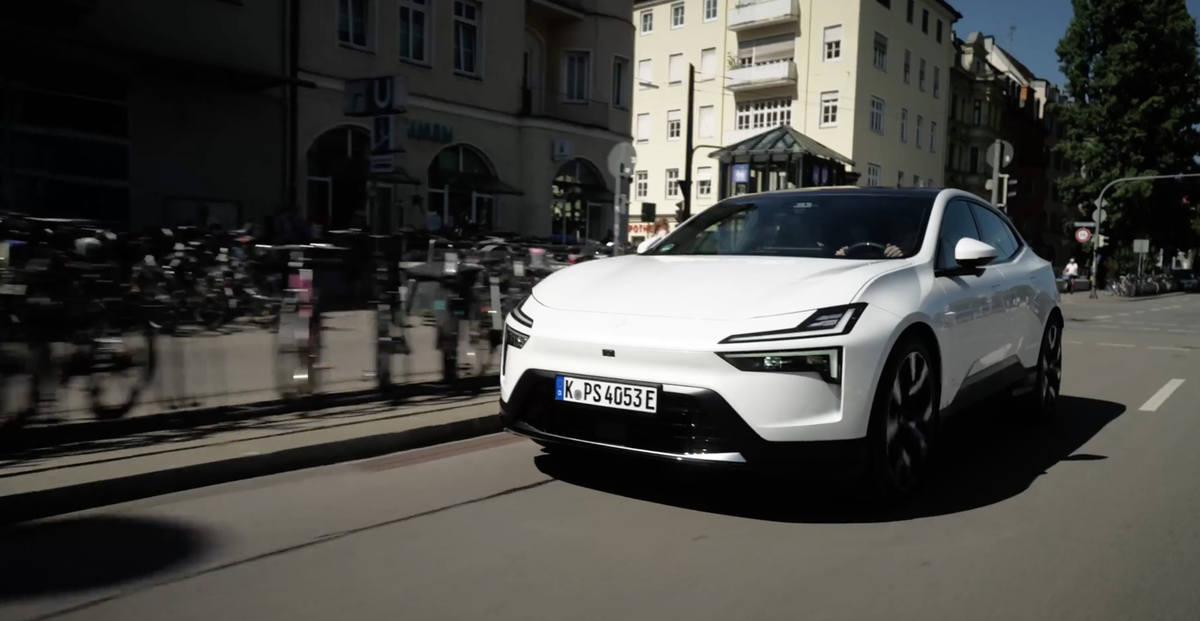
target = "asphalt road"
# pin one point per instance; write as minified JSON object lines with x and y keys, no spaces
{"x":1092,"y":518}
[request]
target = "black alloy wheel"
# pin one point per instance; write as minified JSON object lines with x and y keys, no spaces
{"x":904,"y":421}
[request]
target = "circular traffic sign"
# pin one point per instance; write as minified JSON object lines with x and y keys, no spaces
{"x":1083,"y":235}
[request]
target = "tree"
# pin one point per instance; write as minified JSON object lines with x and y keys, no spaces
{"x":1133,"y":76}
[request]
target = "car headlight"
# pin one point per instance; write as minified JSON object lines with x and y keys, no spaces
{"x":831,"y":321}
{"x":514,"y":338}
{"x":824,"y":362}
{"x":518,"y":315}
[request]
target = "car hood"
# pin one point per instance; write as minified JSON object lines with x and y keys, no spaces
{"x":706,"y":287}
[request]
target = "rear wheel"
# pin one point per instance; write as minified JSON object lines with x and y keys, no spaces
{"x":904,"y":420}
{"x":1041,"y":403}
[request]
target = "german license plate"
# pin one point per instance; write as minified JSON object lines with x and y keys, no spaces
{"x":606,"y":394}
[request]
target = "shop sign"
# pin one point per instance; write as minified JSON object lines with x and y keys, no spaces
{"x":424,"y":130}
{"x":644,"y":229}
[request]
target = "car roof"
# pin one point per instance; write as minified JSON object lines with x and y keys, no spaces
{"x":851,"y":190}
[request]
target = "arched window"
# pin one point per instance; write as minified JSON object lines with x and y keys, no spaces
{"x":463,"y":187}
{"x":342,"y":193}
{"x":579,"y":195}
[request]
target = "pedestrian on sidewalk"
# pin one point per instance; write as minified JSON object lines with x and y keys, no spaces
{"x":1070,"y":273}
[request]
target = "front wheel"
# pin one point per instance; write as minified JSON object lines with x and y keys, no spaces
{"x":904,"y":420}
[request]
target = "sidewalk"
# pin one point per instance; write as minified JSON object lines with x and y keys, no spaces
{"x":57,"y":479}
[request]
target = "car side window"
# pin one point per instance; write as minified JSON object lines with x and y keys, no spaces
{"x":995,"y":232}
{"x":957,"y":224}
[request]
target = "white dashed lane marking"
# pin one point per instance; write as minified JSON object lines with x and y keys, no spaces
{"x":1115,"y":345}
{"x":1161,"y":396}
{"x":1169,"y":348}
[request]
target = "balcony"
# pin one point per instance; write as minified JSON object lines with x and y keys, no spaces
{"x":747,"y":14}
{"x":755,"y":77}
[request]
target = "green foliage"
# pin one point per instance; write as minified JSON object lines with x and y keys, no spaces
{"x":1133,"y":75}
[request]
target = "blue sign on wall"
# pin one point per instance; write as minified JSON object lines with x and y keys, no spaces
{"x":741,"y":173}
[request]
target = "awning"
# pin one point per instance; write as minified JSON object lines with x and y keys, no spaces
{"x":778,"y":143}
{"x":571,"y":191}
{"x":399,"y":176}
{"x":484,"y":183}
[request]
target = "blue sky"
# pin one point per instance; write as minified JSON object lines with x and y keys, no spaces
{"x":1039,"y":25}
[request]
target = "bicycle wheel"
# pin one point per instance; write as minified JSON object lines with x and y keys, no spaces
{"x":293,"y":360}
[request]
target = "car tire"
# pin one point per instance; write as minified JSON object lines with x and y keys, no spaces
{"x":1041,"y":402}
{"x":904,"y":422}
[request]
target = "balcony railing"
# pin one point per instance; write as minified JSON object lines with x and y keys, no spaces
{"x":537,"y":102}
{"x":748,"y":14}
{"x":780,"y":73}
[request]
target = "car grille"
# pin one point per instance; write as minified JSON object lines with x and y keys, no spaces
{"x":680,"y":426}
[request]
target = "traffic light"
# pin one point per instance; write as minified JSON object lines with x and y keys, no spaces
{"x":680,"y":213}
{"x":648,"y":210}
{"x":1101,"y":241}
{"x":1008,"y":189}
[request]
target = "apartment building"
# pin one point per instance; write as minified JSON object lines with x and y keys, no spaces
{"x":116,"y":111}
{"x":978,"y":96}
{"x":514,"y":106}
{"x":865,"y":82}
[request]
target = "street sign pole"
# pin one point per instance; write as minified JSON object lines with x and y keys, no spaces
{"x":996,"y":173}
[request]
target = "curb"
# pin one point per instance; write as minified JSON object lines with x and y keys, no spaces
{"x":1135,"y":298}
{"x":92,"y":430}
{"x":51,"y":502}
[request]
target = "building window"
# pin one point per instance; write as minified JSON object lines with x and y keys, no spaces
{"x":675,"y":69}
{"x":708,"y":63}
{"x":829,"y":109}
{"x":648,"y":21}
{"x":643,"y":128}
{"x":672,"y":183}
{"x":413,"y":44}
{"x":764,"y":113}
{"x":704,"y":181}
{"x":881,"y":52}
{"x":912,"y":6}
{"x":466,"y":37}
{"x":766,"y":50}
{"x":921,"y":76}
{"x":708,"y":122}
{"x":874,"y":175}
{"x":908,"y":66}
{"x":677,"y":15}
{"x":877,"y":112}
{"x":933,"y":136}
{"x":940,"y":26}
{"x":977,"y":113}
{"x":903,"y":125}
{"x":620,"y":85}
{"x":641,"y":181}
{"x":576,"y":66}
{"x":710,"y":10}
{"x":352,"y":22}
{"x":674,"y":124}
{"x":953,"y":107}
{"x":974,"y":159}
{"x":645,"y":74}
{"x":925,"y":21}
{"x":833,"y":43}
{"x":920,"y":122}
{"x":937,"y":82}
{"x":953,"y":151}
{"x":900,"y":179}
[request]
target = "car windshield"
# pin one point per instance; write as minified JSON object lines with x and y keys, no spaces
{"x":843,"y":225}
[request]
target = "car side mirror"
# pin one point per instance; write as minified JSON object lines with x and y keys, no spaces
{"x":973,"y":254}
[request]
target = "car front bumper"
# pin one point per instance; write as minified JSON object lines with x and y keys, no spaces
{"x":709,"y":412}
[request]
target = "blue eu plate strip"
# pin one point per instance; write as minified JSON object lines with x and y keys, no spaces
{"x":558,"y":388}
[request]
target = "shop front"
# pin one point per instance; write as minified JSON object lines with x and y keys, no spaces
{"x":778,"y":159}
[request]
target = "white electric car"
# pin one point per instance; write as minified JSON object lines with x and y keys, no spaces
{"x":825,"y":331}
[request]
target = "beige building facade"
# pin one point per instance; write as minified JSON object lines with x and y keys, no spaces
{"x":868,"y":79}
{"x":513,"y":108}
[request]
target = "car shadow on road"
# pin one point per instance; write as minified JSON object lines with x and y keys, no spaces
{"x":990,"y":456}
{"x":57,"y":557}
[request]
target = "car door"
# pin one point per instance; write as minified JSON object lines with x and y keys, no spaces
{"x":966,"y":313}
{"x":1012,"y":305}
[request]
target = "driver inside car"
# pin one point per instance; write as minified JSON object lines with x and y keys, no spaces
{"x":894,"y":249}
